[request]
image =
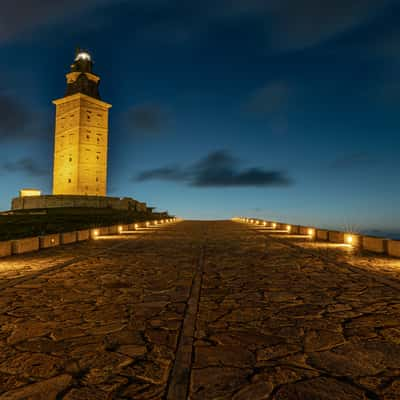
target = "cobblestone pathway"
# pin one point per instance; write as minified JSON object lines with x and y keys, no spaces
{"x":199,"y":310}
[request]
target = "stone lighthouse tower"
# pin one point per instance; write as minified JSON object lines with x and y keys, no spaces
{"x":81,"y":134}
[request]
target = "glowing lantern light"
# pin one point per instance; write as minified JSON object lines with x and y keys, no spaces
{"x":83,"y":55}
{"x":349,"y":239}
{"x":95,"y":233}
{"x":288,"y":228}
{"x":311,"y":232}
{"x":274,"y":225}
{"x":120,"y":229}
{"x":136,"y":226}
{"x":147,"y":224}
{"x":264,"y":223}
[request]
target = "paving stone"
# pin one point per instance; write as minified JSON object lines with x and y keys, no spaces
{"x":319,"y":388}
{"x":42,"y":390}
{"x":275,"y":318}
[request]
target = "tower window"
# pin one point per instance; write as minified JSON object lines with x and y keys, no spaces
{"x":70,"y":159}
{"x":97,"y":179}
{"x":87,"y":137}
{"x":69,"y":180}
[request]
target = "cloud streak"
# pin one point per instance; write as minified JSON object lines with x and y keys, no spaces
{"x":288,"y":24}
{"x":272,"y":99}
{"x":353,"y":160}
{"x":14,"y":118}
{"x":26,"y":166}
{"x":217,"y":169}
{"x":148,"y":118}
{"x":20,"y":18}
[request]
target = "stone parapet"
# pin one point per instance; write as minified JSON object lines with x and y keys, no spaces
{"x":71,"y":201}
{"x":5,"y":248}
{"x":374,"y":244}
{"x":47,"y":241}
{"x":68,"y":237}
{"x":336,"y":236}
{"x":26,"y":245}
{"x":368,"y":243}
{"x":82,"y":235}
{"x":394,"y":248}
{"x":322,"y":234}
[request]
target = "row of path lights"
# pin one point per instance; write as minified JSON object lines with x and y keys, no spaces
{"x":349,"y":238}
{"x":95,"y":233}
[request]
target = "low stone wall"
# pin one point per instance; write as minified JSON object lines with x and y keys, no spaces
{"x":104,"y":230}
{"x":49,"y":241}
{"x":5,"y":249}
{"x":376,"y":245}
{"x":68,"y":237}
{"x":82,"y":235}
{"x":322,"y":234}
{"x":368,"y":243}
{"x":113,"y":230}
{"x":303,"y":230}
{"x":69,"y":201}
{"x":336,"y":237}
{"x":20,"y":246}
{"x":394,"y":248}
{"x":26,"y":245}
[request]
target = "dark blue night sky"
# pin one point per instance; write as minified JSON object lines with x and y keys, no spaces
{"x":286,"y":110}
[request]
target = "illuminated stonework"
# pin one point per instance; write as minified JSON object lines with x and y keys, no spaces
{"x":81,"y":135}
{"x":29,"y":192}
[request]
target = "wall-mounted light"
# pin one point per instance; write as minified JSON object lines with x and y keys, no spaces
{"x":147,"y":224}
{"x":95,"y":233}
{"x":288,"y":228}
{"x":274,"y":225}
{"x":311,"y":232}
{"x":264,"y":223}
{"x":120,"y":229}
{"x":349,"y":239}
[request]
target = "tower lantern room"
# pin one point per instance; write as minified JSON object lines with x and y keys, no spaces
{"x":81,"y":133}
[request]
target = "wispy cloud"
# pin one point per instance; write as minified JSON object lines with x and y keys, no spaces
{"x":25,"y":165}
{"x":14,"y":118}
{"x":148,"y":118}
{"x":272,"y":99}
{"x":19,"y":18}
{"x":358,"y":159}
{"x":288,"y":24}
{"x":217,"y":169}
{"x":271,"y":103}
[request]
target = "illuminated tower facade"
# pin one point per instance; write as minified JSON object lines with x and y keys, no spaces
{"x":81,"y":134}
